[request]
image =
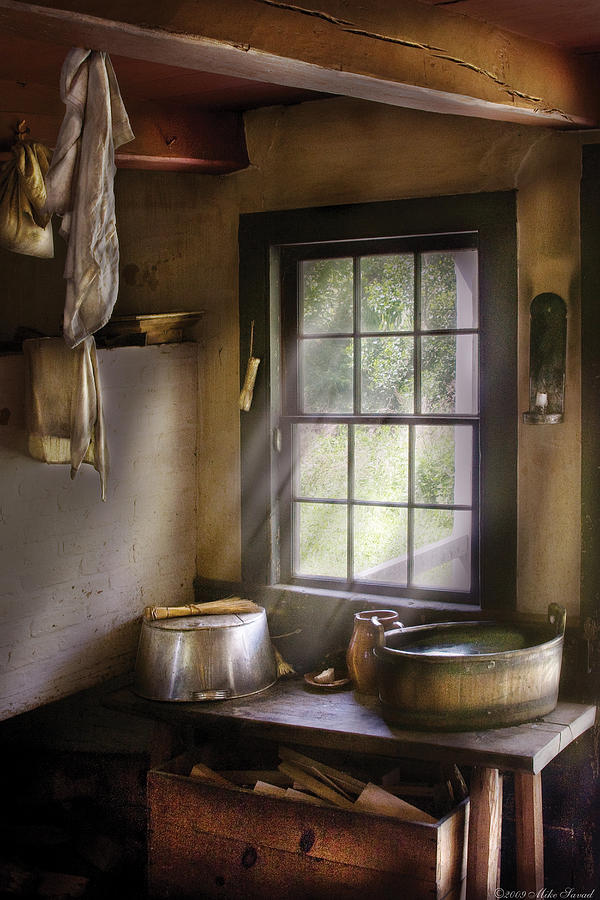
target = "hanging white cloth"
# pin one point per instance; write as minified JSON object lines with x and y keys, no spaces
{"x":80,"y":188}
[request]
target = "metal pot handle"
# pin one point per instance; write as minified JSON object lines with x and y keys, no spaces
{"x":557,"y":616}
{"x":381,"y":632}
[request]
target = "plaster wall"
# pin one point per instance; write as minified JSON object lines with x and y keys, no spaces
{"x":345,"y":151}
{"x":178,"y":236}
{"x":75,"y":573}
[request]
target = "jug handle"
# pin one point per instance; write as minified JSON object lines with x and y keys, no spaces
{"x":557,"y":616}
{"x":381,"y":630}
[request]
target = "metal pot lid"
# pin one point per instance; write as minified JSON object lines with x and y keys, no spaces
{"x":195,"y":623}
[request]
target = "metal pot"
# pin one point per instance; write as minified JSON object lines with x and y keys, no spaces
{"x":205,"y":657}
{"x":461,"y":676}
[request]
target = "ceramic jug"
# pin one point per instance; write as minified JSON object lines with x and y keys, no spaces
{"x":360,"y":658}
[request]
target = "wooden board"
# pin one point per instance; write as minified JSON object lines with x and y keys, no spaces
{"x":190,"y":821}
{"x":371,"y":53}
{"x":529,"y":832}
{"x":287,"y":712}
{"x":485,"y":832}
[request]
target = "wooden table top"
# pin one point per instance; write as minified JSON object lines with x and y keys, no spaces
{"x":291,"y":711}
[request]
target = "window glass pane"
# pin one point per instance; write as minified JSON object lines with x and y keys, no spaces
{"x":442,"y":556}
{"x":387,"y":292}
{"x":449,"y":289}
{"x":326,"y":375}
{"x":443,"y":463}
{"x":327,"y":296}
{"x":381,"y":462}
{"x":320,"y":539}
{"x":321,"y":454}
{"x":380,"y":544}
{"x":449,"y":374}
{"x":387,"y":375}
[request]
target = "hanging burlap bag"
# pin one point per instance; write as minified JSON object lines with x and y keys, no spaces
{"x":24,"y":226}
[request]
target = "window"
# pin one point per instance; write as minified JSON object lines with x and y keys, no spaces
{"x":379,"y":425}
{"x":385,"y":408}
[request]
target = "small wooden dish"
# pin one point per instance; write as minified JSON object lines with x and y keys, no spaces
{"x":339,"y":682}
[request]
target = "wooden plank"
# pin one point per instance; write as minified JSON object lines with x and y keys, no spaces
{"x":452,"y":847}
{"x":249,"y":777}
{"x":485,"y":827}
{"x":293,"y":794}
{"x":369,"y":53}
{"x":529,"y":832}
{"x":269,"y":790}
{"x":287,"y":713}
{"x":204,"y":773}
{"x":345,"y":780}
{"x":191,"y":807}
{"x":377,"y":800}
{"x":242,"y":869}
{"x":314,"y":785}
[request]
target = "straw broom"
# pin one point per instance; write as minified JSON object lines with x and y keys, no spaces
{"x":229,"y":606}
{"x":245,"y":401}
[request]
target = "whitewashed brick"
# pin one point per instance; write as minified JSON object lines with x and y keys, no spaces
{"x":106,"y":558}
{"x":31,"y":650}
{"x":15,"y":632}
{"x":10,"y":585}
{"x":72,"y":586}
{"x":16,"y":607}
{"x":81,"y":542}
{"x":55,"y":621}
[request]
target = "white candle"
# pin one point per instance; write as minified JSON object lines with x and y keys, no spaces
{"x":541,"y":400}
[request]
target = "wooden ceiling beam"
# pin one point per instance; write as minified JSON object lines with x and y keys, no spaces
{"x":404,"y":54}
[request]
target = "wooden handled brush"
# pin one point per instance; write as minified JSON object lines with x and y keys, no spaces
{"x":245,"y":401}
{"x":229,"y":606}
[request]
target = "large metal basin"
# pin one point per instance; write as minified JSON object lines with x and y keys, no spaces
{"x":463,"y":676}
{"x":205,"y":657}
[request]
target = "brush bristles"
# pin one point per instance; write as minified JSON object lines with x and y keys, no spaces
{"x":230,"y":606}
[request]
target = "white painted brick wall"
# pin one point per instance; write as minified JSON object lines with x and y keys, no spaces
{"x":75,"y":573}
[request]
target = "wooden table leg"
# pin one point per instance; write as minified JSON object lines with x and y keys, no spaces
{"x":529,"y":831}
{"x":485,"y":827}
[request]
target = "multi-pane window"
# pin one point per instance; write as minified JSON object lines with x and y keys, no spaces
{"x":380,"y":424}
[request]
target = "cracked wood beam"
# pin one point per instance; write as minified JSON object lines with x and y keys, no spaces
{"x":405,"y":54}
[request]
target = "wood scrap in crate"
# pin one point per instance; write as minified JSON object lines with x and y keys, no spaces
{"x":268,"y":789}
{"x":301,"y":778}
{"x":456,"y":784}
{"x":377,"y":800}
{"x":248,"y":777}
{"x":344,"y":781}
{"x":315,"y":785}
{"x":295,"y":794}
{"x":206,"y":774}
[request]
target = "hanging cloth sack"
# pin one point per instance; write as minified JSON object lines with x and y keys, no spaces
{"x":24,"y":223}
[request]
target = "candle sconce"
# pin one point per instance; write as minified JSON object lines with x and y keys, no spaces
{"x":547,"y":357}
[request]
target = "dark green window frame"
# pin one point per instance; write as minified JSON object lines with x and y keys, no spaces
{"x":264,"y":238}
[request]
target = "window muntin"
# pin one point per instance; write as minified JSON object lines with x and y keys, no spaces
{"x":381,"y":416}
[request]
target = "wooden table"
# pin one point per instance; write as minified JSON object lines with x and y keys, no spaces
{"x":343,"y":720}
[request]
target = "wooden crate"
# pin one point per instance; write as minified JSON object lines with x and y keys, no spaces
{"x":211,"y":841}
